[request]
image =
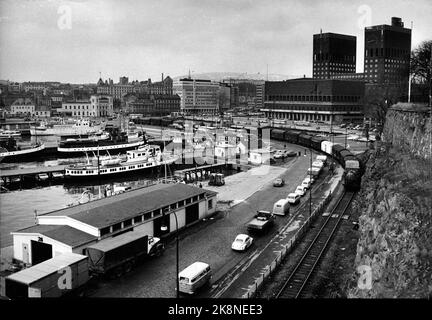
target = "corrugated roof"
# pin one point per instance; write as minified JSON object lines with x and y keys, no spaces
{"x":64,"y":234}
{"x":114,"y":209}
{"x":43,"y":269}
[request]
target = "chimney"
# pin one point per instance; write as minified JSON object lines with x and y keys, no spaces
{"x":162,"y":77}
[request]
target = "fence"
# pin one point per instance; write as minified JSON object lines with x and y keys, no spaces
{"x":286,"y":249}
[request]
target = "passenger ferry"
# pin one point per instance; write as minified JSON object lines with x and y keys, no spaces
{"x":148,"y":156}
{"x":80,"y":127}
{"x":9,"y":133}
{"x":103,"y":144}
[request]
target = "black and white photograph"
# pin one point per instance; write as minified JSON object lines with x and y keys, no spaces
{"x":237,"y":153}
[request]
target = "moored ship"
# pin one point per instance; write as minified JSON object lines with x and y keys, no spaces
{"x":78,"y":128}
{"x":11,"y":152}
{"x":111,"y":141}
{"x":143,"y":158}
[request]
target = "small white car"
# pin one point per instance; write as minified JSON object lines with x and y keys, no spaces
{"x":318,"y":164}
{"x":242,"y":242}
{"x":293,"y":198}
{"x":300,"y":191}
{"x":278,"y":154}
{"x":306,"y":183}
{"x":311,"y":180}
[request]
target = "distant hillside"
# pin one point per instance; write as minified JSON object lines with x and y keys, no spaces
{"x":219,"y":76}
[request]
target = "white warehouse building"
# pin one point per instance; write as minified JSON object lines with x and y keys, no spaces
{"x":145,"y":209}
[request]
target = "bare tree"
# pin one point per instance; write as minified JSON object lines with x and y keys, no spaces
{"x":421,"y":65}
{"x":378,"y":98}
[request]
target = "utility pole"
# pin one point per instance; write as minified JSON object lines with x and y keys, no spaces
{"x":310,"y":189}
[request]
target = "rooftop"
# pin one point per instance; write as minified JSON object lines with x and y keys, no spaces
{"x":108,"y":211}
{"x":64,"y":234}
{"x":43,"y":269}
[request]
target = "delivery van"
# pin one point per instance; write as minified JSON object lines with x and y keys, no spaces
{"x":281,"y":207}
{"x":194,"y":277}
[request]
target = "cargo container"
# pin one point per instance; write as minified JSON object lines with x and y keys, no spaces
{"x":327,"y":147}
{"x":52,"y":278}
{"x":118,"y":254}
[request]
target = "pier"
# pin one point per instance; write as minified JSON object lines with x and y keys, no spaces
{"x":9,"y":176}
{"x":200,"y":173}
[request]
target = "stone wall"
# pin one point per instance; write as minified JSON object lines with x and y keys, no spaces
{"x":408,"y":126}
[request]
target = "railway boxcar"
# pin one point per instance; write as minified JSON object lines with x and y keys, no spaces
{"x":327,"y":147}
{"x":278,"y":134}
{"x":337,"y":149}
{"x":292,"y":136}
{"x":155,"y":121}
{"x":304,"y":140}
{"x":165,"y":122}
{"x":316,"y":142}
{"x":145,"y":120}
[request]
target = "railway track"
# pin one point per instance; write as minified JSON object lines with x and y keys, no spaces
{"x":300,"y":275}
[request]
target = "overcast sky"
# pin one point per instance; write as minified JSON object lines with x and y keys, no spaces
{"x":72,"y":41}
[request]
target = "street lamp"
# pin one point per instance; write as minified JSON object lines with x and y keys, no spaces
{"x":164,"y":228}
{"x":346,"y":134}
{"x":310,"y":181}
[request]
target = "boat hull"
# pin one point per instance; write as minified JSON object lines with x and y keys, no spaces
{"x":65,"y":131}
{"x":22,"y":155}
{"x":93,"y":173}
{"x":112,"y":149}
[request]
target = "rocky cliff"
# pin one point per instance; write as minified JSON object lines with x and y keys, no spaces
{"x":394,"y":251}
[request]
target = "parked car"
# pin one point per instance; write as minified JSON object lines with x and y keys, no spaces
{"x":343,"y":125}
{"x":312,"y":180}
{"x":291,"y":154}
{"x":278,"y":154}
{"x":279,"y":182}
{"x":242,"y":242}
{"x":306,"y":183}
{"x":300,"y":190}
{"x":293,"y":198}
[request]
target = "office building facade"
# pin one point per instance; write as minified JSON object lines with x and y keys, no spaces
{"x":330,"y":101}
{"x":387,"y":53}
{"x":333,"y":54}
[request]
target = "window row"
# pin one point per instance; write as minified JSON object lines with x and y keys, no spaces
{"x":312,"y":98}
{"x":150,"y":215}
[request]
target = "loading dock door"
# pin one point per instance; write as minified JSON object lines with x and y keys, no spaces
{"x":192,"y":213}
{"x":40,"y":252}
{"x":15,"y":289}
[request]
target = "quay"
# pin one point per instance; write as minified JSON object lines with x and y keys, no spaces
{"x":10,"y":175}
{"x":200,"y":173}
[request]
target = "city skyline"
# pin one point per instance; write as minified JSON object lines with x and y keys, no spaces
{"x":73,"y":41}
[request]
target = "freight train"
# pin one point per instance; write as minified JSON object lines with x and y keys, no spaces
{"x":353,"y":167}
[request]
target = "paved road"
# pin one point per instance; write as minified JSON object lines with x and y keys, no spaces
{"x":208,"y":241}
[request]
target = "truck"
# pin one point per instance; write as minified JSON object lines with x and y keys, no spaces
{"x":118,"y":255}
{"x":216,"y":179}
{"x":261,"y":221}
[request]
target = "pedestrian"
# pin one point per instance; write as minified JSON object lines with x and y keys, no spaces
{"x":200,"y":185}
{"x":305,"y":152}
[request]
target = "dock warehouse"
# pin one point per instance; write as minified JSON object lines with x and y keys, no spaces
{"x":75,"y":228}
